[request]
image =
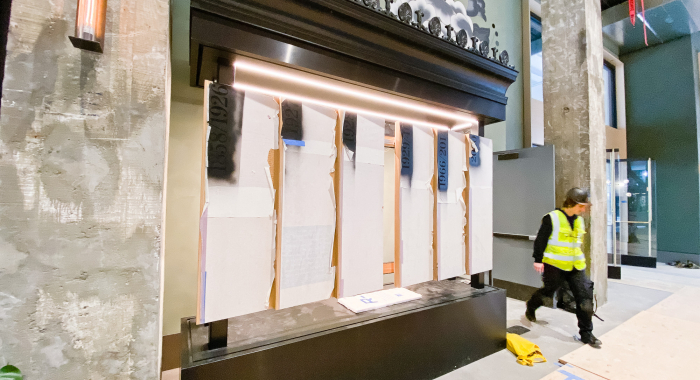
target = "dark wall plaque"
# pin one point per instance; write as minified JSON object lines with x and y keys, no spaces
{"x":291,"y":121}
{"x":406,"y":149}
{"x":442,"y":160}
{"x":225,"y":117}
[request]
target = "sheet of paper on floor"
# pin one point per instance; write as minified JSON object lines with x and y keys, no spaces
{"x":451,"y":211}
{"x":416,"y":211}
{"x":238,"y":230}
{"x":308,"y":211}
{"x":361,"y":200}
{"x":383,"y":298}
{"x":481,"y":211}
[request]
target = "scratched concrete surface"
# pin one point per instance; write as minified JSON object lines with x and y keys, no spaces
{"x":572,"y":49}
{"x":82,"y":161}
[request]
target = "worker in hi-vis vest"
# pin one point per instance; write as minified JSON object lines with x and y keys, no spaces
{"x":559,"y":258}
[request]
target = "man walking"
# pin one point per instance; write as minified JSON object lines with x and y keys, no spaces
{"x":559,"y":258}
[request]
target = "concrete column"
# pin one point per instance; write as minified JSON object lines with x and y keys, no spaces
{"x":572,"y":53}
{"x":82,"y":163}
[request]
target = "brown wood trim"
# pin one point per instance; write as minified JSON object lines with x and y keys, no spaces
{"x":202,"y":200}
{"x":279,"y":174}
{"x":388,"y":268}
{"x":170,"y":352}
{"x":337,"y":184}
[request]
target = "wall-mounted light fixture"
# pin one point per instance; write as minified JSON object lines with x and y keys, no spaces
{"x":90,"y":25}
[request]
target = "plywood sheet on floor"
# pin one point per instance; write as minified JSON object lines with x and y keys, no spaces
{"x":685,"y":304}
{"x":648,"y":346}
{"x":569,"y":372}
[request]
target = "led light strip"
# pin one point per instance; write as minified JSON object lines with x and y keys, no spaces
{"x":243,"y":86}
{"x":360,"y":94}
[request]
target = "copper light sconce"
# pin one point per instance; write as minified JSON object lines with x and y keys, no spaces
{"x":90,"y":25}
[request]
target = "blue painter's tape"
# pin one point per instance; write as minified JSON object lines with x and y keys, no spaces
{"x":294,"y":142}
{"x":570,"y":376}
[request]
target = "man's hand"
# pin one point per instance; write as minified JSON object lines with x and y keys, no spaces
{"x":539,"y":267}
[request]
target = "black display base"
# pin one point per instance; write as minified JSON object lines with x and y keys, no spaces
{"x":451,"y":326}
{"x":639,"y":261}
{"x":614,"y":272}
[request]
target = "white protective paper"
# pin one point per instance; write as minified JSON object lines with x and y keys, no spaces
{"x":239,"y":243}
{"x":308,"y":211}
{"x":376,"y":300}
{"x":416,"y":212}
{"x":451,"y":212}
{"x":481,"y":211}
{"x":362,"y":226}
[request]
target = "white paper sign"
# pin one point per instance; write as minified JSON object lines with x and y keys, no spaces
{"x":376,"y":300}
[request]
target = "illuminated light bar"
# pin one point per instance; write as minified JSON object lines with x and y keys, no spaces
{"x":461,"y":127}
{"x":340,"y":89}
{"x":243,"y":86}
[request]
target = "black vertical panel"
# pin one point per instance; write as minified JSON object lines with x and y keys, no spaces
{"x":442,"y":160}
{"x":350,"y":131}
{"x":407,"y":150}
{"x":225,"y":123}
{"x":5,"y":7}
{"x":291,"y":121}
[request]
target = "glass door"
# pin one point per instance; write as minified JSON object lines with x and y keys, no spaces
{"x":641,"y":226}
{"x":631,"y":226}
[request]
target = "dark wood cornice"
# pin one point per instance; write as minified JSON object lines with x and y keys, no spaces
{"x":349,"y":34}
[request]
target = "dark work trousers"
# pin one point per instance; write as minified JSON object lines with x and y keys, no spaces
{"x":582,"y":288}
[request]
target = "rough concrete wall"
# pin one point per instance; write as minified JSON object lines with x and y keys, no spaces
{"x":82,"y":156}
{"x":572,"y":55}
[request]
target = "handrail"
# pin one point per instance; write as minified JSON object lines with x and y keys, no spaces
{"x":515,"y":236}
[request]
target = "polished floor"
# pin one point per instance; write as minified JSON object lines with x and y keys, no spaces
{"x":657,"y":290}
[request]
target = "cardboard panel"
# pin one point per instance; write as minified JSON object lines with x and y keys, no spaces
{"x":451,"y":211}
{"x":362,"y":239}
{"x":416,"y":210}
{"x":480,"y":257}
{"x":308,"y":210}
{"x":237,"y":226}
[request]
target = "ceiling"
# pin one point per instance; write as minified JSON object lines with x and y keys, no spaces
{"x":605,"y":4}
{"x":666,"y":20}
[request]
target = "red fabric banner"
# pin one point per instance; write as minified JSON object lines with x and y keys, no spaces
{"x":633,"y":10}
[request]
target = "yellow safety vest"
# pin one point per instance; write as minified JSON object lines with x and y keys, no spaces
{"x":564,"y":246}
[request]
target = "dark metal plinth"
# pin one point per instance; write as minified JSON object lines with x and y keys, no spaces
{"x":614,"y":272}
{"x":451,"y":326}
{"x":639,"y":261}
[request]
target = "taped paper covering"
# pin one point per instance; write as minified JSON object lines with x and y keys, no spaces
{"x":308,"y":211}
{"x":362,"y":198}
{"x":481,"y":211}
{"x":376,"y":300}
{"x":416,"y":211}
{"x":451,"y":212}
{"x":238,"y":227}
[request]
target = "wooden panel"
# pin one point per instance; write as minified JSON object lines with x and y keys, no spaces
{"x":397,"y":205}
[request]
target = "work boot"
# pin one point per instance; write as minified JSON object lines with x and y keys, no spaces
{"x":530,"y":315}
{"x":591,"y":340}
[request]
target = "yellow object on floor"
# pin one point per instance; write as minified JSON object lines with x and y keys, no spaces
{"x":527,"y":352}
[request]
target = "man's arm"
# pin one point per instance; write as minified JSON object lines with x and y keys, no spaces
{"x":542,"y":238}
